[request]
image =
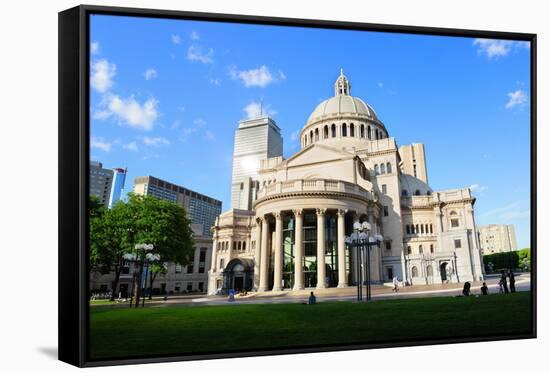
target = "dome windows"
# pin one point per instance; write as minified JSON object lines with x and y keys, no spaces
{"x":351,"y":130}
{"x":344,"y":130}
{"x":325,"y":132}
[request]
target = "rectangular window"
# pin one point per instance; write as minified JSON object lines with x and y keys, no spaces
{"x":454,"y":223}
{"x":458,"y":244}
{"x":388,"y":246}
{"x":390,"y":272}
{"x":201,"y":286}
{"x":178,"y":268}
{"x":384,"y":189}
{"x":202,"y":260}
{"x":189,"y":286}
{"x":190,"y":268}
{"x":222,"y":262}
{"x":386,"y":212}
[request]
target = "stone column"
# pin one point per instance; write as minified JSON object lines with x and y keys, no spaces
{"x":264,"y":256}
{"x":213,"y":264}
{"x":321,"y":269}
{"x":342,"y":277}
{"x":278,"y":261}
{"x":298,"y":250}
{"x":257,"y":251}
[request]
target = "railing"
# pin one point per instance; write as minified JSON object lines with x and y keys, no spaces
{"x":436,"y":197}
{"x":302,"y":185}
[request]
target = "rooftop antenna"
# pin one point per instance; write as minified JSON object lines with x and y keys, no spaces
{"x":261,"y":107}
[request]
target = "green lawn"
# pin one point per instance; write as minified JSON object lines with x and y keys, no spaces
{"x":125,"y":332}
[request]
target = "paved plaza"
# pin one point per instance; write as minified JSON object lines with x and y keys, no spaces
{"x":523,"y":283}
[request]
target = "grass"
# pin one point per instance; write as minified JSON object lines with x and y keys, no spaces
{"x":155,"y":331}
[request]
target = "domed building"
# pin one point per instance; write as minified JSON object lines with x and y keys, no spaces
{"x":290,"y":217}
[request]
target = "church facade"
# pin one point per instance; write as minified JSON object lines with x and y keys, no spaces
{"x":290,"y":235}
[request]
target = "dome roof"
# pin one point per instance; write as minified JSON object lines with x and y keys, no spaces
{"x":414,"y":185}
{"x":342,"y":103}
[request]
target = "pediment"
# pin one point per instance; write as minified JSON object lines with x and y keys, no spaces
{"x":317,"y":153}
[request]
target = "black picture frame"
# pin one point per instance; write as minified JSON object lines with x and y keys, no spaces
{"x":74,"y":167}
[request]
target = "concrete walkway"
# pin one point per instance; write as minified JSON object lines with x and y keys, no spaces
{"x":523,"y":283}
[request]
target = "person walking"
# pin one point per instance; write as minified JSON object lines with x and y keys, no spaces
{"x":395,"y":284}
{"x":503,"y":281}
{"x":466,"y":289}
{"x":512,"y":281}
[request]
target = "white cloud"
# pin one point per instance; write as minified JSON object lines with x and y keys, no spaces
{"x":294,"y":135}
{"x":102,"y":75}
{"x":176,"y":39}
{"x":256,"y":109}
{"x":94,"y":47}
{"x":99,"y":143}
{"x":101,"y":114}
{"x":516,"y":99}
{"x":150,"y":74}
{"x":155,"y":141}
{"x":259,"y":77}
{"x":131,"y":146}
{"x":210,"y":135}
{"x":476,"y":188}
{"x":196,"y":53}
{"x":131,"y":112}
{"x":498,"y":48}
{"x":194,"y":35}
{"x":507,"y":213}
{"x":216,"y":82}
{"x":199,"y":122}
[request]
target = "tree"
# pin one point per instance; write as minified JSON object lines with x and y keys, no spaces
{"x":154,"y":270}
{"x":140,"y":220}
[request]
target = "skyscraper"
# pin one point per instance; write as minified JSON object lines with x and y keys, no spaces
{"x":255,"y":140}
{"x":201,"y":209}
{"x":106,"y":184}
{"x":119,"y":177}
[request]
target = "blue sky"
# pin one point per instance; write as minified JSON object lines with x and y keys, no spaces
{"x":167,"y":95}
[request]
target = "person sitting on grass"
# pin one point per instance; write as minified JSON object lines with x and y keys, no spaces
{"x":466,"y":289}
{"x":312,"y":299}
{"x":484,"y":289}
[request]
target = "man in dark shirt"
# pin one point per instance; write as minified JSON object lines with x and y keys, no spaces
{"x":512,"y":281}
{"x":484,"y":289}
{"x":503,"y":281}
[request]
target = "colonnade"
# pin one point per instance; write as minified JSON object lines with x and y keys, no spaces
{"x":262,"y":255}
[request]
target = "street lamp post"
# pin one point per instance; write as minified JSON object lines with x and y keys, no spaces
{"x":141,"y":257}
{"x":362,"y":241}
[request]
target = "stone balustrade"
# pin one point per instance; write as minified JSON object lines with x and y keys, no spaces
{"x":313,"y":185}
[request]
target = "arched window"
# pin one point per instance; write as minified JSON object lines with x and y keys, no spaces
{"x":244,"y":246}
{"x":429,"y":270}
{"x":239,"y":246}
{"x":376,"y":169}
{"x":431,"y":228}
{"x":325,"y":132}
{"x":351,"y":130}
{"x":311,"y":137}
{"x":409,"y":251}
{"x":362,"y":131}
{"x":382,"y":169}
{"x":426,"y":228}
{"x":429,"y":193}
{"x":416,"y":229}
{"x":404,"y":193}
{"x":414,"y":271}
{"x":412,"y":229}
{"x":344,"y":129}
{"x":422,"y":228}
{"x":305,"y":140}
{"x":376,"y":137}
{"x":432,"y":249}
{"x":369,"y":133}
{"x":417,"y":192}
{"x":420,"y":249}
{"x":388,"y":167}
{"x":316,"y":134}
{"x":453,"y":213}
{"x":333,"y":130}
{"x":408,"y":229}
